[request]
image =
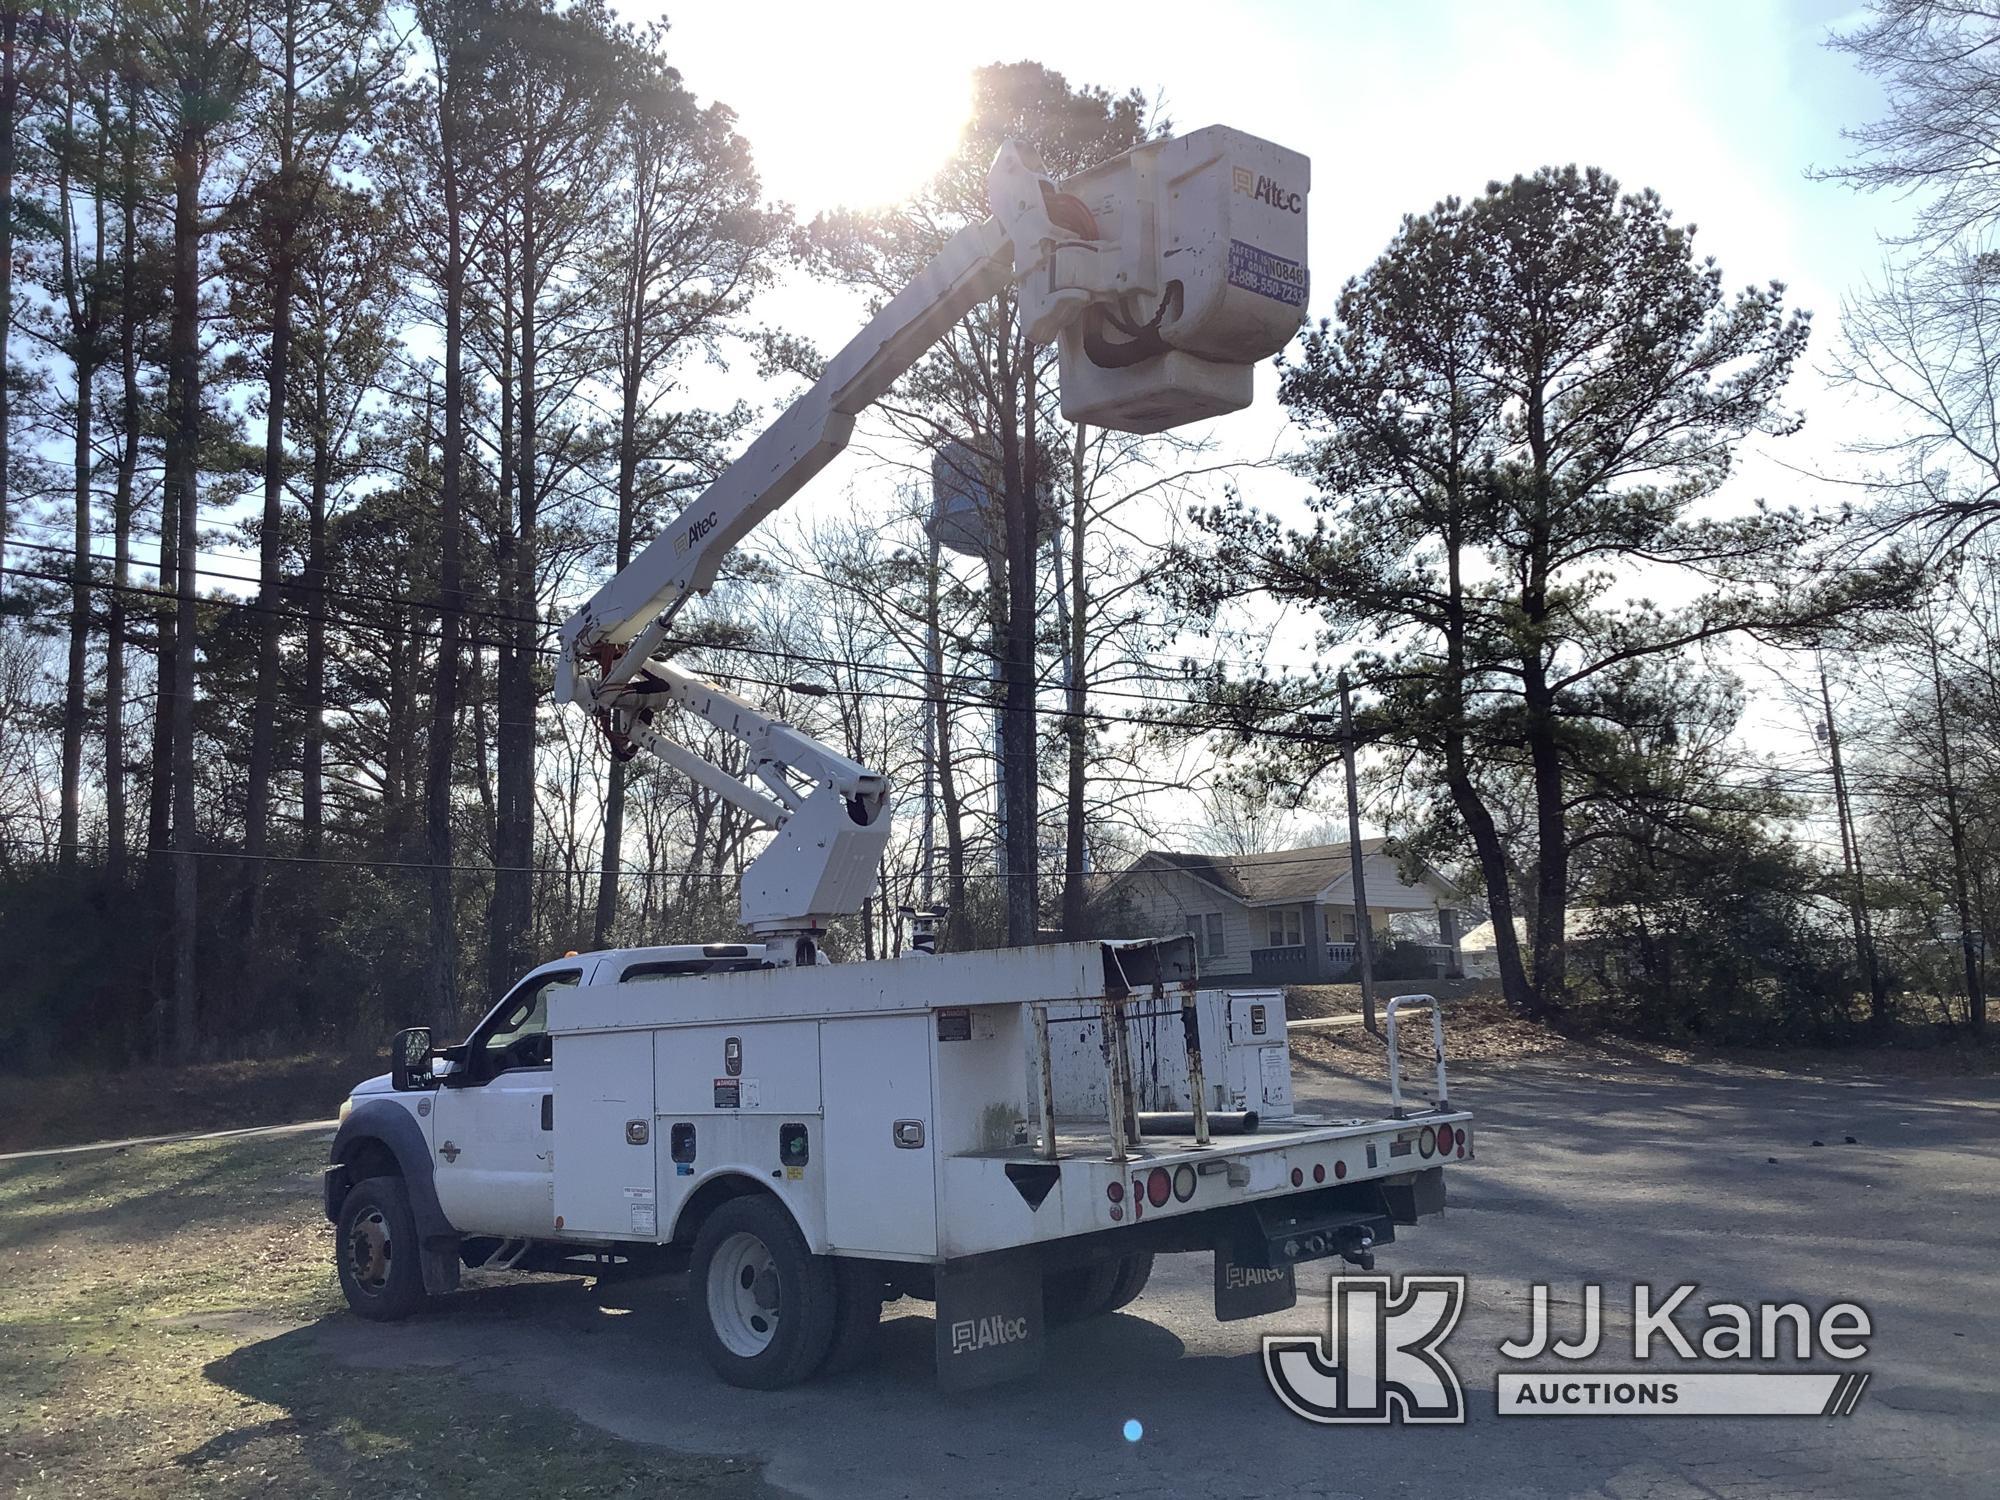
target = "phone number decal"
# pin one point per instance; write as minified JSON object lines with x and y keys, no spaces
{"x":1266,"y":274}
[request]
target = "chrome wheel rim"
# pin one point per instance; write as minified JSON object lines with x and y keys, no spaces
{"x":369,"y":1249}
{"x":744,"y":1299}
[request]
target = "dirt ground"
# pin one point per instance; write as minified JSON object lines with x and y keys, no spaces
{"x":1480,"y":1028}
{"x":63,"y":1109}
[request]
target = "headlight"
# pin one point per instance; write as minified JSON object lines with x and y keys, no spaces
{"x":346,"y":1108}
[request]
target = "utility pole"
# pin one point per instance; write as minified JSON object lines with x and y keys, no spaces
{"x":1363,"y":938}
{"x":1850,"y":854}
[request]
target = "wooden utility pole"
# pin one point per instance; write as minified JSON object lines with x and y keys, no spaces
{"x":1363,"y":938}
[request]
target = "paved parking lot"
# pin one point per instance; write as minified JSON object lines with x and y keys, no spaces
{"x":1648,"y":1172}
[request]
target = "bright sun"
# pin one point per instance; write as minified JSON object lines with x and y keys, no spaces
{"x":843,"y":105}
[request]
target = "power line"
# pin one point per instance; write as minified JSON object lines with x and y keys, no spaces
{"x":1105,"y":720}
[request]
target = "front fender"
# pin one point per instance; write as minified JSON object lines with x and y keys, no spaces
{"x":386,"y":1122}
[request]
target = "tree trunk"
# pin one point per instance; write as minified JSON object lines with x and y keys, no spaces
{"x":122,"y":495}
{"x":312,"y":753}
{"x":184,"y":437}
{"x":444,"y":686}
{"x":80,"y":303}
{"x":270,"y":542}
{"x":10,"y":109}
{"x":628,"y":479}
{"x":1017,"y":663}
{"x":1968,"y":939}
{"x":514,"y":695}
{"x":1075,"y":854}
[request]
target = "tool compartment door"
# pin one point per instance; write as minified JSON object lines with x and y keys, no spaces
{"x":606,"y":1178}
{"x":881,"y":1198}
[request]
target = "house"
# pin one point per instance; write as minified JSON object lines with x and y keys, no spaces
{"x":1286,"y":917}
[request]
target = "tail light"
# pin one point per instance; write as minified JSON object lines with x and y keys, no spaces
{"x":1319,"y":1171}
{"x":1159,"y":1187}
{"x":1115,"y":1191}
{"x":1427,"y":1143}
{"x":1445,"y":1139}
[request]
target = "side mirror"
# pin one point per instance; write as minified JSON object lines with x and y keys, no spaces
{"x":410,"y":1059}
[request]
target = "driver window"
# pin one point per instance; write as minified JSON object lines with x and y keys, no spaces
{"x":519,"y":1038}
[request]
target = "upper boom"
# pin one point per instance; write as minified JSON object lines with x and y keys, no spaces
{"x":1193,"y":249}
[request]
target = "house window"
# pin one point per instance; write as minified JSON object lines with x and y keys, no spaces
{"x":1206,"y":930}
{"x":1287,"y":927}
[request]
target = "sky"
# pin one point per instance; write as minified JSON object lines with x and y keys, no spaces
{"x":1721,"y":107}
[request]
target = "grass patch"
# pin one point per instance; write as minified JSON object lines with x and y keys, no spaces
{"x":160,"y":1310}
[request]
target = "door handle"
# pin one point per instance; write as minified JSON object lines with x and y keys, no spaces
{"x":548,"y":1111}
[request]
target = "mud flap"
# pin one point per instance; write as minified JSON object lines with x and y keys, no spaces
{"x":989,"y":1322}
{"x":1250,"y":1291}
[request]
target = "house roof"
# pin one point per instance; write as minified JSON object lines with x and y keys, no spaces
{"x":1265,"y":879}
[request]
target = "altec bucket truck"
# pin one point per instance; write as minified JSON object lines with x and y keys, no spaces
{"x":1013,"y":1134}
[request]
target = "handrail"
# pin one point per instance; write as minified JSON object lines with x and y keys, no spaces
{"x":1396,"y":1109}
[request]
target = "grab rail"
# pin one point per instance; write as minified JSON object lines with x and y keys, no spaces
{"x":1396,"y":1110}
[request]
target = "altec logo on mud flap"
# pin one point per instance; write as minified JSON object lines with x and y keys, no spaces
{"x":1239,"y":1277}
{"x":986,"y":1333}
{"x":1382,"y":1360}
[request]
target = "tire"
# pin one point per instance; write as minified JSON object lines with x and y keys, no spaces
{"x":765,"y":1305}
{"x":1078,"y":1292}
{"x":859,"y":1291}
{"x":376,"y":1253}
{"x":1134,"y":1271}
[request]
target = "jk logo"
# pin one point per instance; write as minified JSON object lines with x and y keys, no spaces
{"x":1381,"y":1359}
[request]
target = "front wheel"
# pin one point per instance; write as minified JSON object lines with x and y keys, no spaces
{"x":375,"y":1250}
{"x":766,"y":1303}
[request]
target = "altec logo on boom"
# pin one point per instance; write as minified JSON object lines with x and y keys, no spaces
{"x":1382,"y":1360}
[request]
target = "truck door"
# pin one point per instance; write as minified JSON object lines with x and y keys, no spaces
{"x":493,"y":1137}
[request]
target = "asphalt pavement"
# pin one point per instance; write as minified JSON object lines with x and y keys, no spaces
{"x":1656,"y":1173}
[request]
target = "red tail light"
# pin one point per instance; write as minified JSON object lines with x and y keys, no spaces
{"x":1159,"y":1187}
{"x":1115,"y":1191}
{"x":1340,"y":1169}
{"x":1445,"y":1139}
{"x":1319,"y":1171}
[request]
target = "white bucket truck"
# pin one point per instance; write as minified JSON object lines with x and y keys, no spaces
{"x":1014,"y":1134}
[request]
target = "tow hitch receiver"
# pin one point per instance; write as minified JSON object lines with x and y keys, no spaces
{"x":1300,"y":1229}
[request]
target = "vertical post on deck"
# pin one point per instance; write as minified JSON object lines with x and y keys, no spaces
{"x":1363,"y":938}
{"x":1046,"y":1094}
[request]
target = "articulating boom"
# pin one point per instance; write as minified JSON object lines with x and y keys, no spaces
{"x":1194,"y":248}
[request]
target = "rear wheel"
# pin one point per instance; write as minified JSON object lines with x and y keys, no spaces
{"x":376,"y":1253}
{"x":767,"y":1303}
{"x":1134,"y":1271}
{"x":1078,"y":1292}
{"x":859,"y":1290}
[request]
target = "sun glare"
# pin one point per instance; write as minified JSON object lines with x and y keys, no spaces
{"x":848,"y":109}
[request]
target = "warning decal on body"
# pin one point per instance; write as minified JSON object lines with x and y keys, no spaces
{"x":1266,"y":274}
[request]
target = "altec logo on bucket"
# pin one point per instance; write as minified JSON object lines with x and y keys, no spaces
{"x":1382,"y":1360}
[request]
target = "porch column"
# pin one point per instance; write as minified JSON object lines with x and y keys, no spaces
{"x":1318,"y":965}
{"x":1448,"y":935}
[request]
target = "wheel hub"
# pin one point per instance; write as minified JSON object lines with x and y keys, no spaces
{"x":368,"y":1251}
{"x":745,"y":1296}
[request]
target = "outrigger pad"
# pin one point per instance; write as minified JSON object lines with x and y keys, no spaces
{"x":1250,"y":1291}
{"x":989,"y":1322}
